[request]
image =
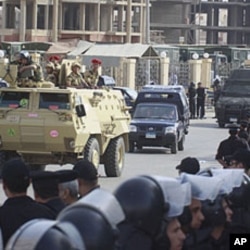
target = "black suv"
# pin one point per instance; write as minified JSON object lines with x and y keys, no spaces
{"x":233,"y":104}
{"x":172,"y":94}
{"x":156,"y":125}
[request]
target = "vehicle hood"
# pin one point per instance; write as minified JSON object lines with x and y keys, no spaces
{"x":151,"y":122}
{"x":235,"y":100}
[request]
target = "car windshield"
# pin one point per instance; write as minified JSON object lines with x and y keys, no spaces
{"x":236,"y":89}
{"x":155,"y":112}
{"x":132,"y":93}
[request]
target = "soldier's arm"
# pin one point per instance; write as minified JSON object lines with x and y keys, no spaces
{"x":28,"y":67}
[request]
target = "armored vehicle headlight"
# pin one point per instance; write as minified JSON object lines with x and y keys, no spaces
{"x":72,"y":144}
{"x":132,"y":128}
{"x":65,"y":117}
{"x":170,"y":129}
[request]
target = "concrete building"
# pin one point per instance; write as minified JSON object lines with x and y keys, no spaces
{"x":201,"y":21}
{"x":92,"y":20}
{"x":125,"y":21}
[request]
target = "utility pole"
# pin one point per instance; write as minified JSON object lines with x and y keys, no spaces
{"x":148,"y":39}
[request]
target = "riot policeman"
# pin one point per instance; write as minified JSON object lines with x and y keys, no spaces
{"x":40,"y":234}
{"x":96,"y":216}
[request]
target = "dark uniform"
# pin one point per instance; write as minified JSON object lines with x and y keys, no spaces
{"x":45,"y":185}
{"x":229,"y":146}
{"x":201,"y":95}
{"x":17,"y":211}
{"x":191,"y":97}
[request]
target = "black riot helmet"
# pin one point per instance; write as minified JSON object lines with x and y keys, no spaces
{"x":40,"y":234}
{"x":239,"y":197}
{"x":96,"y":217}
{"x":143,"y":203}
{"x":214,"y":212}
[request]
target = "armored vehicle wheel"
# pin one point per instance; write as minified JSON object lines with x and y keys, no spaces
{"x":92,"y":151}
{"x":114,"y":157}
{"x":181,"y":143}
{"x":131,"y":147}
{"x":173,"y":147}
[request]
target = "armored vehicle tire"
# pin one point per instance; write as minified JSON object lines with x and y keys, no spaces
{"x":131,"y":147}
{"x":173,"y":147}
{"x":114,"y":157}
{"x":92,"y":151}
{"x":181,"y":143}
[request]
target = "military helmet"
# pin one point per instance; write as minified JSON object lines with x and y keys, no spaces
{"x":24,"y":54}
{"x":39,"y":234}
{"x":214,"y":212}
{"x":50,"y":65}
{"x":76,"y":64}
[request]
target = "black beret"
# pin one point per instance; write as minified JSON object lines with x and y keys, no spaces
{"x":66,"y":175}
{"x":44,"y":179}
{"x":86,"y":170}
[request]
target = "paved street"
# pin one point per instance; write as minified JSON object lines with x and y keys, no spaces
{"x":201,"y":142}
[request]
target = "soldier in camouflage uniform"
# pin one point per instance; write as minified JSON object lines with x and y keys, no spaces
{"x":27,"y":65}
{"x":50,"y":76}
{"x":74,"y":79}
{"x":92,"y":76}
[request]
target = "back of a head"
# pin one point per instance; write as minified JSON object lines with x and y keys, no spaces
{"x":189,"y":165}
{"x":92,"y":225}
{"x":15,"y":175}
{"x":86,"y":170}
{"x":45,"y":184}
{"x":143,"y":203}
{"x":213,"y":212}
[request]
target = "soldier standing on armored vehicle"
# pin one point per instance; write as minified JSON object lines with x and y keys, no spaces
{"x":26,"y":64}
{"x":50,"y":75}
{"x":55,"y":60}
{"x":92,"y":76}
{"x":74,"y":79}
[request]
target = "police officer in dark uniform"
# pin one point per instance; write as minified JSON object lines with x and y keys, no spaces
{"x":18,"y":208}
{"x":96,"y":216}
{"x":228,"y":146}
{"x":46,"y":190}
{"x":191,"y":97}
{"x":201,"y":95}
{"x":143,"y":203}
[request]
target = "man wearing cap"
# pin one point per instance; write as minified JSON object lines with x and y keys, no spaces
{"x":189,"y":165}
{"x":46,"y":190}
{"x":91,"y":77}
{"x":18,"y":208}
{"x":87,"y":176}
{"x":228,"y":146}
{"x":55,"y":60}
{"x":50,"y":76}
{"x":74,"y":79}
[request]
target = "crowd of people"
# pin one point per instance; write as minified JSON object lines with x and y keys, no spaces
{"x":30,"y":70}
{"x":199,"y":209}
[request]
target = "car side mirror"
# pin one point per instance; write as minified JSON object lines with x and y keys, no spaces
{"x":80,"y":110}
